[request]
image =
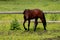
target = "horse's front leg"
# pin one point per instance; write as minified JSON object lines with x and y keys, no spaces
{"x":24,"y":25}
{"x":28,"y":24}
{"x":35,"y":24}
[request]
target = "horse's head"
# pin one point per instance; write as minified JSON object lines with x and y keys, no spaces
{"x":26,"y":13}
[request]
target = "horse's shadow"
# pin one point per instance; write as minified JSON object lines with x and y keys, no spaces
{"x":38,"y":31}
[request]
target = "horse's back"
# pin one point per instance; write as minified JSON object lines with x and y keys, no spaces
{"x":34,"y":13}
{"x":38,"y":12}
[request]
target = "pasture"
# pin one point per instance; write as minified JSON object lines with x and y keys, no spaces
{"x":53,"y":29}
{"x":20,"y":5}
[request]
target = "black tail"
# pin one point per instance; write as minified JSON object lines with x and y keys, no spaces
{"x":44,"y":19}
{"x":44,"y":23}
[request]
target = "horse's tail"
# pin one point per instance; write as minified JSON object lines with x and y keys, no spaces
{"x":44,"y":18}
{"x":44,"y":22}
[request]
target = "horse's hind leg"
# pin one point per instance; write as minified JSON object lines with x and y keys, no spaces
{"x":28,"y":24}
{"x":35,"y":24}
{"x":44,"y":23}
{"x":24,"y":25}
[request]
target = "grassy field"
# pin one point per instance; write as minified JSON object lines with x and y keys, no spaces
{"x":49,"y":17}
{"x":20,"y":5}
{"x":53,"y":29}
{"x":52,"y":33}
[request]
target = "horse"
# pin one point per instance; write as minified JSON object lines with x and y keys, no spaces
{"x":30,"y":14}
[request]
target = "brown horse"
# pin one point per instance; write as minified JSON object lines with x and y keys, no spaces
{"x":34,"y":14}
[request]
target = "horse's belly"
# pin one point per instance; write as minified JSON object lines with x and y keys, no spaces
{"x":32,"y":17}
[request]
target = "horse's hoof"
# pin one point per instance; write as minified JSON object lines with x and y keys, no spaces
{"x":25,"y":28}
{"x":34,"y":30}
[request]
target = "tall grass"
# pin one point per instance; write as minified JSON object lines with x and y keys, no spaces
{"x":15,"y":25}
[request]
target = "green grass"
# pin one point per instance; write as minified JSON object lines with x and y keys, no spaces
{"x":11,"y":16}
{"x":49,"y":17}
{"x":53,"y":29}
{"x":20,"y":5}
{"x":52,"y":33}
